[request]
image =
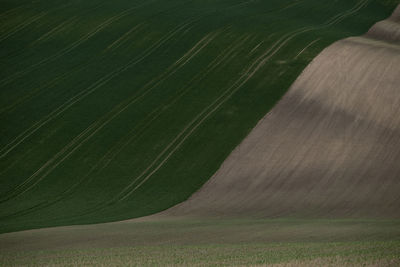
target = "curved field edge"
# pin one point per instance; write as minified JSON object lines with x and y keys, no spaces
{"x":329,"y":148}
{"x":115,"y":111}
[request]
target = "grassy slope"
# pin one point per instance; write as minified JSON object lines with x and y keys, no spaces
{"x":97,"y":96}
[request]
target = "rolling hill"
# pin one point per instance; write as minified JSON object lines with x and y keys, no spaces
{"x":330,"y":147}
{"x":115,"y":110}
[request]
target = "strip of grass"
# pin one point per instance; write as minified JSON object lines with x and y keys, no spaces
{"x":334,"y":254}
{"x":156,"y":241}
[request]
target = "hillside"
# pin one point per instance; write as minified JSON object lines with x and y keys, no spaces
{"x":329,"y":149}
{"x":115,"y":110}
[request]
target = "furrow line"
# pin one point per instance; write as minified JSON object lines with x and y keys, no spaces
{"x":58,"y":28}
{"x":305,"y":48}
{"x":123,"y":38}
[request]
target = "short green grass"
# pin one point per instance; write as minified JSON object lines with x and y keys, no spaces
{"x":294,"y":254}
{"x":250,"y":242}
{"x":118,"y":109}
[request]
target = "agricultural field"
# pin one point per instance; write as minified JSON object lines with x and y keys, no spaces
{"x":199,"y":133}
{"x":233,"y":242}
{"x":113,"y":110}
{"x":288,"y":254}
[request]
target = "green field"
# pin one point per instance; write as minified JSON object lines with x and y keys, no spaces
{"x":285,"y":242}
{"x":275,"y":254}
{"x":118,"y":109}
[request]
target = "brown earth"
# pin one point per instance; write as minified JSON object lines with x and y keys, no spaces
{"x":330,"y":147}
